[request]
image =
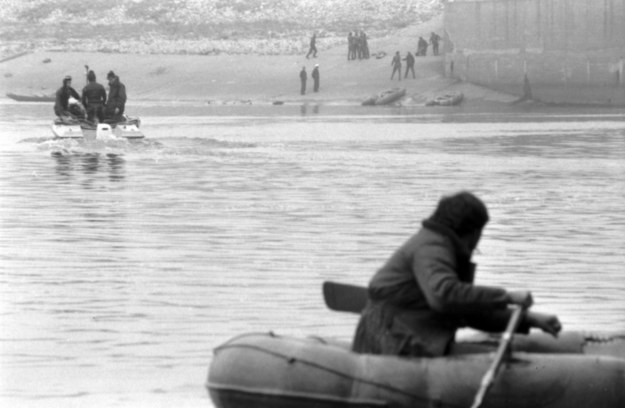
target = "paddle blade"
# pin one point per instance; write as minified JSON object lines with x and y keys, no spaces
{"x":344,"y":298}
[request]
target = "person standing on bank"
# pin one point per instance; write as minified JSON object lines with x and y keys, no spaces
{"x":94,"y":98}
{"x":313,"y":46}
{"x":409,"y":64}
{"x":303,"y":76}
{"x":315,"y":77}
{"x":434,"y":40}
{"x":116,"y":103}
{"x":425,"y":291}
{"x":396,"y":64}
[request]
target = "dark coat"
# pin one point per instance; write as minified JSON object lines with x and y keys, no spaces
{"x":93,"y":94}
{"x":61,"y":102}
{"x":117,"y":95}
{"x":423,"y":294}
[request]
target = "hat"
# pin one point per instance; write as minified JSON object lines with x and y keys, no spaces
{"x":67,"y":78}
{"x":316,"y":65}
{"x":110,"y":75}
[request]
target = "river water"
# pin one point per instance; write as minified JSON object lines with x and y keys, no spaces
{"x":123,"y":265}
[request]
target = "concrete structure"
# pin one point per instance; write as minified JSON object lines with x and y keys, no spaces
{"x":562,"y":51}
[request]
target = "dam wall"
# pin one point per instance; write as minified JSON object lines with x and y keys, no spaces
{"x":559,"y":51}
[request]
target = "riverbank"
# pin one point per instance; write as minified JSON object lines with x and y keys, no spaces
{"x":249,"y":79}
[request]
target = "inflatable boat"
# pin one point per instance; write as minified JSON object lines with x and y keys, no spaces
{"x":385,"y":97}
{"x":270,"y":371}
{"x":127,"y":128}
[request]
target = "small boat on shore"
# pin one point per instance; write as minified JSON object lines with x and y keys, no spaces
{"x":449,"y":99}
{"x":270,"y":371}
{"x":128,"y":128}
{"x":385,"y":97}
{"x":31,"y":97}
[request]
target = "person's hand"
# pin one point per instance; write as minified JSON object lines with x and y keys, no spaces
{"x":522,"y":298}
{"x":546,"y":322}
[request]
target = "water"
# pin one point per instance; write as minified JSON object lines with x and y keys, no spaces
{"x":124,"y":264}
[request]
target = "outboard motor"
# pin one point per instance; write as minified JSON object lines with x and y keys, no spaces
{"x":104,"y":131}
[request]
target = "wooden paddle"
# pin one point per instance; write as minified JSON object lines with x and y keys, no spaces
{"x":504,"y":344}
{"x":342,"y":297}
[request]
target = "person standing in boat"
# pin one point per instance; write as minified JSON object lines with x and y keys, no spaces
{"x":94,"y":98}
{"x":116,"y":99}
{"x":396,"y":64}
{"x":425,"y":291}
{"x":61,"y":101}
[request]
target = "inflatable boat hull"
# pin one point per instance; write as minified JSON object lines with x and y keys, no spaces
{"x":267,"y":371}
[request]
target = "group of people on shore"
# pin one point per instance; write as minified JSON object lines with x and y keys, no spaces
{"x":396,"y":62}
{"x":357,"y":46}
{"x":303,"y":77}
{"x":93,"y":102}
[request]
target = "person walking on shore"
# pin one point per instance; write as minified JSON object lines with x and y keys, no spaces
{"x":396,"y":64}
{"x":303,"y":76}
{"x":409,"y":64}
{"x":94,"y":98}
{"x":315,"y":77}
{"x":313,"y":46}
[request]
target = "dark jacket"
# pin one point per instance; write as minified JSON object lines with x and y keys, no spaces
{"x":117,"y":95}
{"x":93,"y":94}
{"x":315,"y":74}
{"x":61,"y":102}
{"x":423,"y":294}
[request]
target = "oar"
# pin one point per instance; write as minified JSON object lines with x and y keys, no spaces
{"x":342,"y":297}
{"x":491,"y":374}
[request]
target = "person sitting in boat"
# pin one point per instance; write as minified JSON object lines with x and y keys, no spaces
{"x":425,"y":291}
{"x":116,"y":103}
{"x":61,"y":102}
{"x":94,"y":98}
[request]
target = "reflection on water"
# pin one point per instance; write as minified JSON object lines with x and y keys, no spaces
{"x":124,"y":265}
{"x":89,"y":164}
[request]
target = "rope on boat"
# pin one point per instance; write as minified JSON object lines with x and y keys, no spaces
{"x":292,"y":360}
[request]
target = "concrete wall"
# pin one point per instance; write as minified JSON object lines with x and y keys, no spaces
{"x":569,"y":50}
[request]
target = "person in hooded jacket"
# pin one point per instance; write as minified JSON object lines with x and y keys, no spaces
{"x":116,"y":103}
{"x":94,"y":98}
{"x":425,"y":291}
{"x":61,"y":102}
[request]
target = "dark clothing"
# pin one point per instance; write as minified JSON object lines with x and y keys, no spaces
{"x":422,"y":47}
{"x":396,"y":64}
{"x":303,"y":76}
{"x":313,"y":47}
{"x":116,"y":98}
{"x":423,"y":294}
{"x":434,"y":39}
{"x":61,"y":102}
{"x":315,"y":77}
{"x":94,"y":99}
{"x":409,"y":64}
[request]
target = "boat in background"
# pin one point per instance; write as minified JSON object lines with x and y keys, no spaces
{"x":32,"y":97}
{"x":128,"y":128}
{"x":385,"y":97}
{"x":270,"y":371}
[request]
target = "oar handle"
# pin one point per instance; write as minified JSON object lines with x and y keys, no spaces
{"x":506,"y":338}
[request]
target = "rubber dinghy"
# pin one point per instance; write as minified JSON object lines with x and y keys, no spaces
{"x":385,"y":97}
{"x":270,"y":371}
{"x":128,"y":128}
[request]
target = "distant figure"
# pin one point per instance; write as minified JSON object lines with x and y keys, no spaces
{"x":396,"y":64}
{"x":303,"y":76}
{"x":313,"y":46}
{"x":409,"y":64}
{"x":94,"y":98}
{"x":351,"y":47}
{"x":364,"y":44}
{"x":117,"y":98}
{"x":61,"y":102}
{"x":315,"y":77}
{"x":422,"y":47}
{"x":434,"y":40}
